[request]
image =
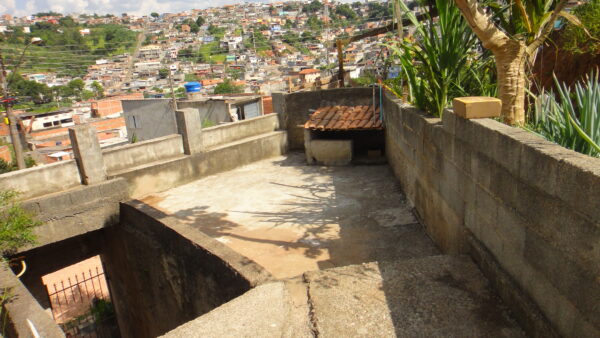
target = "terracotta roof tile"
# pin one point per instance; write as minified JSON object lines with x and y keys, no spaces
{"x":344,"y":118}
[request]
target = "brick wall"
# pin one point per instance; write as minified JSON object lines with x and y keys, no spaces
{"x":5,"y":154}
{"x":526,"y":210}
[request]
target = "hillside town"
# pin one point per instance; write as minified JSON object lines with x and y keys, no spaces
{"x":246,"y":48}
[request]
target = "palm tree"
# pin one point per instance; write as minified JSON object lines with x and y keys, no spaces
{"x":513,"y":30}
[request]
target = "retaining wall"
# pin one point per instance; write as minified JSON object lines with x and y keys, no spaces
{"x":527,"y":210}
{"x":136,"y":154}
{"x":164,"y":274}
{"x":218,"y":135}
{"x":21,"y":310}
{"x":42,"y":180}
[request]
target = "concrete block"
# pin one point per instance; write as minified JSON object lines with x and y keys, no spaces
{"x":189,"y":126}
{"x":577,"y":283}
{"x":578,"y":184}
{"x":88,"y":154}
{"x":307,"y":146}
{"x":332,"y":152}
{"x":475,"y":107}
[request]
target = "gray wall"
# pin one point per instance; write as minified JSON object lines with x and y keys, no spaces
{"x":42,"y":180}
{"x":156,"y":118}
{"x":526,"y":209}
{"x":223,"y":134}
{"x":135,"y":154}
{"x":215,"y":111}
{"x":22,"y":307}
{"x":294,"y":109}
{"x":164,"y":274}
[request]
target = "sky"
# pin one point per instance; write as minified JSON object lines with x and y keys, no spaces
{"x":140,"y":7}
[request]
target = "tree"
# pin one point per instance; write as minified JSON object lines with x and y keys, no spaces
{"x":97,"y":89}
{"x":76,"y":86}
{"x":346,"y":11}
{"x":227,"y":87}
{"x":154,"y":15}
{"x":313,"y":7}
{"x":200,"y":21}
{"x":513,"y":35}
{"x":164,"y":72}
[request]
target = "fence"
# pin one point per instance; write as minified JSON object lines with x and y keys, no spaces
{"x":81,"y":305}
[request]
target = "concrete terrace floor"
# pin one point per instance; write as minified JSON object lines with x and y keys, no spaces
{"x":349,"y":255}
{"x":291,"y":218}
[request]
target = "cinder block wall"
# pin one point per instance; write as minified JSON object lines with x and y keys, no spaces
{"x":527,"y":210}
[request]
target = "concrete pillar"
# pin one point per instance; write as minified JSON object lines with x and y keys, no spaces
{"x":189,"y":126}
{"x":87,"y":152}
{"x":280,"y":109}
{"x":307,"y":146}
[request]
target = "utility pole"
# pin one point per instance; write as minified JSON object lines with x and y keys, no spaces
{"x":14,"y":133}
{"x":172,"y":90}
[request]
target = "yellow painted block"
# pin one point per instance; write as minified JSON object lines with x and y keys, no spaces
{"x":477,"y":107}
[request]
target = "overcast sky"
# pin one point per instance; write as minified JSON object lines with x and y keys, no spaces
{"x":140,"y":7}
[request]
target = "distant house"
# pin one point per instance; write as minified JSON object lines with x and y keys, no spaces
{"x":185,"y":28}
{"x":84,"y":32}
{"x":309,"y":75}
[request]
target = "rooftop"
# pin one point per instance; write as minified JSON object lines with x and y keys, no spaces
{"x":339,"y":118}
{"x":291,"y":218}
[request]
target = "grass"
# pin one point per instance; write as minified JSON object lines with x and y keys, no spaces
{"x":210,"y":52}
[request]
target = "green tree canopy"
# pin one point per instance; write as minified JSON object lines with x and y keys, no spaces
{"x":227,"y":87}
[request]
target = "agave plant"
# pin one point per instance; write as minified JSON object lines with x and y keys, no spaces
{"x":571,"y":118}
{"x":434,"y":62}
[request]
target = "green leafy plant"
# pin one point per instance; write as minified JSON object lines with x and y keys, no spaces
{"x":571,"y":118}
{"x":16,"y":224}
{"x":435,"y":63}
{"x":577,"y":40}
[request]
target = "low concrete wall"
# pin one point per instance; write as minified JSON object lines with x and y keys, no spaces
{"x":295,"y":108}
{"x":169,"y":174}
{"x":76,"y":211}
{"x":526,"y":209}
{"x":21,"y":309}
{"x":164,"y":273}
{"x":219,"y":135}
{"x":42,"y":180}
{"x":136,"y":154}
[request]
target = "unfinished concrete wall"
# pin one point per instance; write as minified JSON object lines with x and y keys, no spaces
{"x":157,"y":177}
{"x":219,"y":135}
{"x":42,"y":180}
{"x":164,"y":274}
{"x":21,"y":310}
{"x":76,"y":211}
{"x":149,"y":118}
{"x":295,"y":108}
{"x":524,"y":208}
{"x":136,"y":154}
{"x":214,"y":111}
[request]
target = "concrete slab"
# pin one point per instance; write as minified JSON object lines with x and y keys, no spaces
{"x":290,"y":217}
{"x":427,"y":297}
{"x":261,"y":312}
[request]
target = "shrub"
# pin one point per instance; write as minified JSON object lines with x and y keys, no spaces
{"x":16,"y":224}
{"x":440,"y":62}
{"x":571,"y":118}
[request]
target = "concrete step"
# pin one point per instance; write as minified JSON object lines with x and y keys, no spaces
{"x":425,"y":297}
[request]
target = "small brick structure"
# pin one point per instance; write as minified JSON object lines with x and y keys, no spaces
{"x":335,"y":135}
{"x":5,"y":154}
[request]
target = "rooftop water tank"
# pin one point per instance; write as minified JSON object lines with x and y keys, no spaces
{"x":192,"y":87}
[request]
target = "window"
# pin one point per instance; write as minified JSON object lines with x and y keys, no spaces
{"x":66,"y":121}
{"x":56,"y":123}
{"x":47,"y":124}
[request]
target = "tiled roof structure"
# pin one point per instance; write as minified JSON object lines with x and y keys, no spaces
{"x":345,"y":118}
